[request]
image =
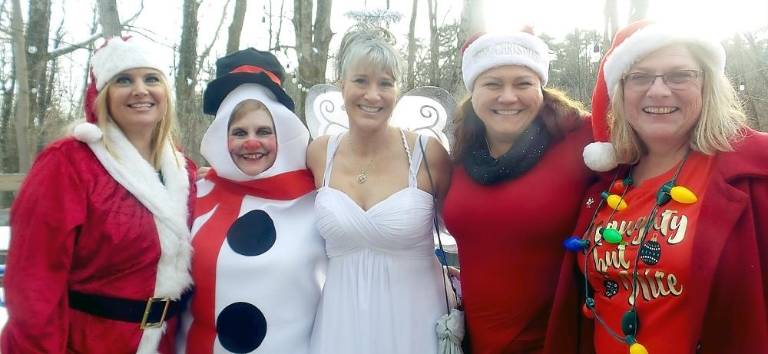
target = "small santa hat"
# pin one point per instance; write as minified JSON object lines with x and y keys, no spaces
{"x":488,"y":50}
{"x":631,"y":44}
{"x":114,"y":56}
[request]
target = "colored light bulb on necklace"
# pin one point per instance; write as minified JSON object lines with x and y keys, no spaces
{"x":614,"y":201}
{"x":610,"y":235}
{"x":637,"y":348}
{"x":575,"y":244}
{"x":682,"y":195}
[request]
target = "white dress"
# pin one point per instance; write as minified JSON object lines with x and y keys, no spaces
{"x":383,"y":291}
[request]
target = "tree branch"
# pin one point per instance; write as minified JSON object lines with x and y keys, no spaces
{"x":207,"y":49}
{"x":83,"y":44}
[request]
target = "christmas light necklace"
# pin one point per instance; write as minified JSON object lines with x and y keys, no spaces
{"x":668,"y":191}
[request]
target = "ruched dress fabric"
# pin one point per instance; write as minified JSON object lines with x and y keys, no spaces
{"x":383,"y":291}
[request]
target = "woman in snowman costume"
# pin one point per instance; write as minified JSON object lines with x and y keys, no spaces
{"x":258,"y":263}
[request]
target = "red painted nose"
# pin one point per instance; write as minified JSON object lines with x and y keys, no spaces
{"x":252,"y":144}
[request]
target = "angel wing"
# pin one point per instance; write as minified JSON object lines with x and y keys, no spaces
{"x":424,"y":110}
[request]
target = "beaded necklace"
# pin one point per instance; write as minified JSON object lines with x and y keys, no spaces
{"x":646,"y":250}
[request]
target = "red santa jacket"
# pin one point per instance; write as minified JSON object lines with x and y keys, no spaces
{"x":75,"y":226}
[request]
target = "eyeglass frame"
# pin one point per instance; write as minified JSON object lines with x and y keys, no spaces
{"x":665,"y":78}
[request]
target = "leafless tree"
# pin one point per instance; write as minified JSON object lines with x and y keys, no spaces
{"x":21,"y":117}
{"x":638,"y":10}
{"x":611,"y":16}
{"x":312,"y":41}
{"x":109,"y":18}
{"x":412,"y":45}
{"x":236,"y":27}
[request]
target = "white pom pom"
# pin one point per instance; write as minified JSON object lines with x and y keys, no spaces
{"x":600,"y":157}
{"x":87,"y":132}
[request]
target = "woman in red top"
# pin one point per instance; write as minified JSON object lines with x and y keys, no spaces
{"x":100,"y":247}
{"x":515,"y":190}
{"x":674,"y":248}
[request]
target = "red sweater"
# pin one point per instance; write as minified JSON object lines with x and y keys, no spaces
{"x":510,"y":237}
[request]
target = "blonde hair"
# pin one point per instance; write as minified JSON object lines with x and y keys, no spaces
{"x":373,"y":45}
{"x":164,"y":132}
{"x":720,"y":124}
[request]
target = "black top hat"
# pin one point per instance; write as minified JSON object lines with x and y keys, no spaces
{"x":247,"y":66}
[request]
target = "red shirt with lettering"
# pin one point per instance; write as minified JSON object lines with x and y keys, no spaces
{"x":663,"y":267}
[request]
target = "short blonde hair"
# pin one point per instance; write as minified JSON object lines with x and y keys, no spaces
{"x":163,"y":133}
{"x":369,"y":45}
{"x":721,"y":122}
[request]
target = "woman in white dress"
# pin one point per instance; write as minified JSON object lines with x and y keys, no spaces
{"x":374,"y":207}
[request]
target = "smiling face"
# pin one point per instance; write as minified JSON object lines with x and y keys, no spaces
{"x":661,"y":114}
{"x":252,"y":141}
{"x":369,"y":95}
{"x":137,"y":100}
{"x":507,"y":99}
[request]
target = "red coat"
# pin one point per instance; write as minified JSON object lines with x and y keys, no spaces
{"x":729,"y":288}
{"x":74,"y":227}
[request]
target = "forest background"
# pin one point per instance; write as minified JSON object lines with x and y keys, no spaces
{"x":46,"y":46}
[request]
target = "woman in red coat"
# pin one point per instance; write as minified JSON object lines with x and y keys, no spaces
{"x":100,"y":247}
{"x":673,"y":240}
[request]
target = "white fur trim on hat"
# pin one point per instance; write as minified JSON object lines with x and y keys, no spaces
{"x":650,"y":38}
{"x":600,"y":156}
{"x":492,"y":50}
{"x":88,"y":133}
{"x":122,"y":54}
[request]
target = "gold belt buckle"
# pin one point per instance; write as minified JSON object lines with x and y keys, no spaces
{"x":147,"y":309}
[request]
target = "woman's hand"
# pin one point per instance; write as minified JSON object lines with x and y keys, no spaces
{"x":201,"y":172}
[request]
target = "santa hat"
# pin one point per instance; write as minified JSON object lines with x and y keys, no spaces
{"x":631,"y":44}
{"x":489,"y":50}
{"x":116,"y":55}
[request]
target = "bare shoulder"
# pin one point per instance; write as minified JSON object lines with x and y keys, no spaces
{"x":316,"y":155}
{"x":438,"y":157}
{"x":439,"y":164}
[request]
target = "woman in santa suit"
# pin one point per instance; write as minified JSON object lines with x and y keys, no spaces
{"x":100,"y":228}
{"x":259,"y":262}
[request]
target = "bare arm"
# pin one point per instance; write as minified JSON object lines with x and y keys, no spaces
{"x":316,"y":158}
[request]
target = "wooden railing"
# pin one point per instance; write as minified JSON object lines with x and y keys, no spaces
{"x":10,"y":182}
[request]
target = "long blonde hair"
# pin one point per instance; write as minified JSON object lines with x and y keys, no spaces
{"x":721,"y":123}
{"x":164,"y":132}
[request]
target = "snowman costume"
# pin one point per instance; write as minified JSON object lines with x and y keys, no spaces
{"x":259,"y":262}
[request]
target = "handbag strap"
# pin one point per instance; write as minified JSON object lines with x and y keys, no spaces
{"x":444,"y":262}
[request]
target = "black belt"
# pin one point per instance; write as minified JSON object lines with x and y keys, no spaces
{"x":148,"y":313}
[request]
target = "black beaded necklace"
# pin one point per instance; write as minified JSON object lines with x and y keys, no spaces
{"x":647,"y":250}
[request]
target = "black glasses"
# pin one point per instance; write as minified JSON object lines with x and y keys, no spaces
{"x":675,"y":80}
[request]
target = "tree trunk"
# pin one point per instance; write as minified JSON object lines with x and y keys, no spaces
{"x":109,"y":18}
{"x":22,"y":94}
{"x":37,"y":31}
{"x":9,"y":162}
{"x":186,"y":76}
{"x":412,"y":45}
{"x":236,"y":27}
{"x":434,"y":41}
{"x":611,"y":21}
{"x":470,"y":23}
{"x":638,"y":10}
{"x":311,"y":45}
